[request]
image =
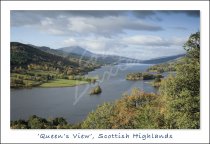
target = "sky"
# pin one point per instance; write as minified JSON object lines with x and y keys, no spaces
{"x":136,"y":34}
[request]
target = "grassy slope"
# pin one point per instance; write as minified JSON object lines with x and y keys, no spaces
{"x":62,"y":83}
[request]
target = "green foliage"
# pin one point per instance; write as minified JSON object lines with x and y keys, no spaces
{"x":156,"y":83}
{"x":142,"y":76}
{"x":29,"y":79}
{"x":96,"y":90}
{"x":124,"y":113}
{"x":35,"y":78}
{"x":23,"y":55}
{"x":181,"y":93}
{"x":157,"y":79}
{"x":192,"y":46}
{"x":59,"y":121}
{"x":134,"y":76}
{"x":166,"y":67}
{"x":62,"y":83}
{"x":83,"y":78}
{"x":149,"y":116}
{"x":20,"y":124}
{"x":35,"y":122}
{"x":127,"y":109}
{"x":31,"y":66}
{"x":100,"y":118}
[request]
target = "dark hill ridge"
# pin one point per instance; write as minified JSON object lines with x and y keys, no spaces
{"x":22,"y":55}
{"x":70,"y":56}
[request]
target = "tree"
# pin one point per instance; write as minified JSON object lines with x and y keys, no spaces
{"x":157,"y":80}
{"x":181,"y":93}
{"x":149,"y":116}
{"x":128,"y":110}
{"x":59,"y":121}
{"x":20,"y":124}
{"x":36,"y":122}
{"x":96,"y":90}
{"x":192,"y":46}
{"x":100,"y":118}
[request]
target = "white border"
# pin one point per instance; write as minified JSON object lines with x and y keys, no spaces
{"x":180,"y":136}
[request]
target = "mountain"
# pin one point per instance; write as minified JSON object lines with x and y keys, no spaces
{"x":74,"y":56}
{"x":99,"y":58}
{"x":23,"y":54}
{"x":113,"y":59}
{"x":76,"y":50}
{"x":162,"y":59}
{"x":58,"y":52}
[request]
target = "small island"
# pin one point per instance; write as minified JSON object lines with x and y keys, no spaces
{"x":142,"y":76}
{"x":95,"y":90}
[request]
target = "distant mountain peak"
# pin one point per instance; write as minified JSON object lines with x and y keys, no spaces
{"x":76,"y":50}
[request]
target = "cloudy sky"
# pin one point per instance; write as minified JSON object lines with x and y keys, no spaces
{"x":135,"y":34}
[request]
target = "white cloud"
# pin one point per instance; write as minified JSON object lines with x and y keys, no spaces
{"x":148,"y":40}
{"x":107,"y":26}
{"x":95,"y":45}
{"x":70,"y":42}
{"x":55,"y":31}
{"x":137,"y":46}
{"x":82,"y":25}
{"x":46,"y":22}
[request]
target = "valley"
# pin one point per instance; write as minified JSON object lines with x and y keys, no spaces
{"x":33,"y":66}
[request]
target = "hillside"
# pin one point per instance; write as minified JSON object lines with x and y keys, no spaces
{"x":31,"y":67}
{"x":23,"y":55}
{"x":72,"y":57}
{"x":162,"y":59}
{"x":168,"y":66}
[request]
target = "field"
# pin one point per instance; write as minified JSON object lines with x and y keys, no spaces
{"x":62,"y":83}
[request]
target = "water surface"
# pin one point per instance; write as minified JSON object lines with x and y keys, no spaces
{"x":74,"y":103}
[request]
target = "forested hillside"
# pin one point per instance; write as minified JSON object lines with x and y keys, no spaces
{"x":31,"y":66}
{"x":168,"y":66}
{"x":24,"y":55}
{"x":163,"y":59}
